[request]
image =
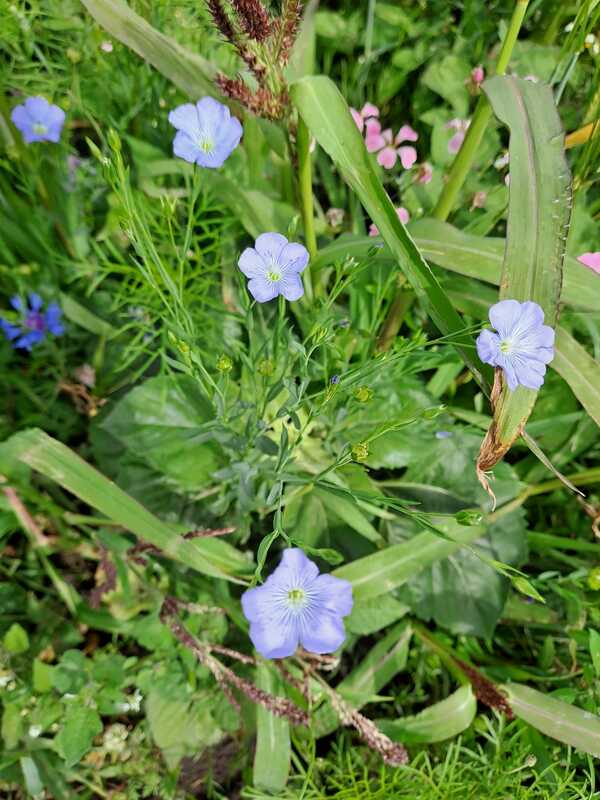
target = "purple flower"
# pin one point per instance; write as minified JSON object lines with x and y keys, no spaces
{"x":35,"y":323}
{"x":522,"y":346}
{"x":274,"y":266}
{"x":207,"y":134}
{"x":38,"y":120}
{"x":296,"y":605}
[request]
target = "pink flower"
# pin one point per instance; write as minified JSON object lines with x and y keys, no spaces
{"x":478,"y":75}
{"x":591,"y":260}
{"x":460,"y":126}
{"x":363,"y":116}
{"x":403,"y":216}
{"x":425,"y":172}
{"x":384,"y":143}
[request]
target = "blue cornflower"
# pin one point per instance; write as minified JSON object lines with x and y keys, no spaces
{"x":207,"y":134}
{"x":274,"y":266}
{"x":522,"y":346}
{"x":296,"y":605}
{"x":38,"y":120}
{"x":35,"y":324}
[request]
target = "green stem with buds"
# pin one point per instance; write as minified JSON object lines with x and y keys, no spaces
{"x":464,"y":160}
{"x":306,"y":199}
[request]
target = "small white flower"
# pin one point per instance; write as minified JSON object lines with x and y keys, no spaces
{"x":34,"y":731}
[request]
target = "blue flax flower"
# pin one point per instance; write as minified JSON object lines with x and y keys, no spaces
{"x":207,"y":134}
{"x":296,"y":605}
{"x":274,"y":266}
{"x":38,"y":120}
{"x":35,"y":323}
{"x":522,"y":346}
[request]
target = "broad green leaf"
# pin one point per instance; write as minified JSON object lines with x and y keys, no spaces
{"x":53,"y":459}
{"x":370,"y":616}
{"x":167,"y":422}
{"x":16,"y":640}
{"x":327,"y":116}
{"x":12,"y":724}
{"x":193,"y":74}
{"x":538,"y":219}
{"x":559,"y":720}
{"x":441,"y":721}
{"x":383,"y":662}
{"x":381,"y":572}
{"x":75,"y":737}
{"x":273,"y":750}
{"x":180,"y":726}
{"x":31,"y":775}
{"x":595,"y":650}
{"x":580,"y":370}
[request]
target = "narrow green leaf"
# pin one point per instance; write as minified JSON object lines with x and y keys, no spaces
{"x":441,"y":721}
{"x":33,"y":782}
{"x":53,"y":459}
{"x":193,"y":74}
{"x":273,"y":749}
{"x":81,"y":316}
{"x":559,"y":720}
{"x":387,"y":569}
{"x":343,"y":505}
{"x":595,"y":650}
{"x":538,"y":218}
{"x":302,"y":59}
{"x":327,"y":116}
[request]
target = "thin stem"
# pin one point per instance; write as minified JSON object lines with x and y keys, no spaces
{"x":464,"y":160}
{"x":394,"y":319}
{"x":306,"y":199}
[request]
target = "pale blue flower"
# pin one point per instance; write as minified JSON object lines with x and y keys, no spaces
{"x":522,"y":346}
{"x":35,"y":324}
{"x":207,"y":134}
{"x":38,"y":120}
{"x":297,"y":606}
{"x":274,"y":266}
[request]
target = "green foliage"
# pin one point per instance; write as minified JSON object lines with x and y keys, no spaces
{"x":157,"y":458}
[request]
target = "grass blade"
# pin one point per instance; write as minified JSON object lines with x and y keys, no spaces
{"x":580,"y":370}
{"x":327,"y":116}
{"x":441,"y":721}
{"x":273,"y":750}
{"x":538,"y":217}
{"x":387,"y":569}
{"x":53,"y":459}
{"x":193,"y":74}
{"x":559,"y":720}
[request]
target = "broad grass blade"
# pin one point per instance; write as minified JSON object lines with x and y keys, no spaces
{"x":387,"y":569}
{"x":538,"y":218}
{"x":328,"y":117}
{"x":273,"y":749}
{"x":441,"y":721}
{"x":561,"y":721}
{"x":193,"y":74}
{"x":53,"y":459}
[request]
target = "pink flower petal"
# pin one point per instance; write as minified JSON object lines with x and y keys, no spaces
{"x":455,"y":142}
{"x":372,"y":126}
{"x":590,"y":260}
{"x":373,"y":230}
{"x":406,"y":134}
{"x":374,"y":142}
{"x":388,"y":135}
{"x":403,"y":214}
{"x":387,"y":157}
{"x":369,"y":110}
{"x":408,"y":156}
{"x":360,"y":123}
{"x":478,"y":75}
